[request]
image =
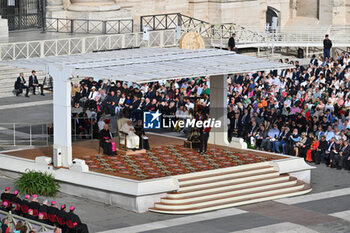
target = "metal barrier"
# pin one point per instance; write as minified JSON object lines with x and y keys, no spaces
{"x":67,"y":46}
{"x":167,"y":21}
{"x":24,"y":134}
{"x":89,"y":26}
{"x":79,"y":133}
{"x":30,"y":224}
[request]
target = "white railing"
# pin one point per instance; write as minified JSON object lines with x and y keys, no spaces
{"x":30,"y":224}
{"x":67,"y":46}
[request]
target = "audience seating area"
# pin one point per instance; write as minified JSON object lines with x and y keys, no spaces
{"x":42,"y":216}
{"x":282,"y":111}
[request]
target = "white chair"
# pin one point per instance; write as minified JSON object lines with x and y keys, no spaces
{"x":122,"y":135}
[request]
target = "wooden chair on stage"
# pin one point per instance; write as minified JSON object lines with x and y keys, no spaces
{"x":122,"y":135}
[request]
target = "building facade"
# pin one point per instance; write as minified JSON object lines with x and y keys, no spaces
{"x":257,"y":13}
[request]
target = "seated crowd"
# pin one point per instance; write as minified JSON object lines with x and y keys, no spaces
{"x":303,"y":111}
{"x":283,"y":111}
{"x":30,"y":208}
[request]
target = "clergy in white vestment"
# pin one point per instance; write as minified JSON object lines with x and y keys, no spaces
{"x":132,"y":140}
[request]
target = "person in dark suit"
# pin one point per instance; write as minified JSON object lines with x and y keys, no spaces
{"x":327,"y":45}
{"x":110,"y":103}
{"x":232,"y":43}
{"x":135,"y":109}
{"x":346,"y":164}
{"x":140,"y":131}
{"x":252,"y":130}
{"x":314,"y":61}
{"x":20,"y":85}
{"x":337,"y":160}
{"x":319,"y":153}
{"x":330,"y":147}
{"x":204,"y":137}
{"x":282,"y":140}
{"x":245,"y":119}
{"x":335,"y":153}
{"x":34,"y":83}
{"x":303,"y":148}
{"x":235,"y":126}
{"x":260,"y":136}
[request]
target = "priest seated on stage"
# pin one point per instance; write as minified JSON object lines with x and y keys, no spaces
{"x":132,"y":140}
{"x":106,"y":142}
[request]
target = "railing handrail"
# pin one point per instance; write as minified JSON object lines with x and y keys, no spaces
{"x":28,"y":222}
{"x":73,"y":38}
{"x":247,"y":34}
{"x":89,"y":26}
{"x":80,"y":45}
{"x":176,"y":21}
{"x":100,"y":20}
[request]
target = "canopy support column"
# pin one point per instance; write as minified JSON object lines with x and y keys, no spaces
{"x":218,"y":109}
{"x":62,"y":147}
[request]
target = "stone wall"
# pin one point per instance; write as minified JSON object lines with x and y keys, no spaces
{"x":326,"y":13}
{"x":283,"y":9}
{"x":341,"y":12}
{"x":242,"y":12}
{"x":4,"y":30}
{"x":150,"y":7}
{"x":307,"y":8}
{"x":347,"y":12}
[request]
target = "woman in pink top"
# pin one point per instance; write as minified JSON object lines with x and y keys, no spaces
{"x":295,"y":110}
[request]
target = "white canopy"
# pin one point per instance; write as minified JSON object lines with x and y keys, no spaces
{"x":151,"y":64}
{"x":140,"y":65}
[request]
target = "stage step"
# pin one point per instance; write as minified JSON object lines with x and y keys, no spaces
{"x":235,"y":188}
{"x":223,"y":188}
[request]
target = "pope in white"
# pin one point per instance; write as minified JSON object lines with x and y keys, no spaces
{"x":132,"y":140}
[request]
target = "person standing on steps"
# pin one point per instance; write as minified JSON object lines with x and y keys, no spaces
{"x":327,"y":45}
{"x":232,"y":43}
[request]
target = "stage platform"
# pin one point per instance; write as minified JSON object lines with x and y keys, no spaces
{"x":169,"y":178}
{"x":167,"y":157}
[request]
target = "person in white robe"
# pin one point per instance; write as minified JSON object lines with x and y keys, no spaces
{"x":132,"y":140}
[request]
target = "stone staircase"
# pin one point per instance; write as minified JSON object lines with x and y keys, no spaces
{"x":8,"y":77}
{"x":229,"y":187}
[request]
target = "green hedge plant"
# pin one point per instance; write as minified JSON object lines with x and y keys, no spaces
{"x":35,"y":182}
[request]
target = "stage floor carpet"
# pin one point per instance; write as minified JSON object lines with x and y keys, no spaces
{"x":167,"y":157}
